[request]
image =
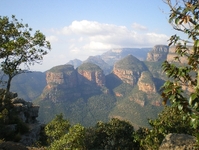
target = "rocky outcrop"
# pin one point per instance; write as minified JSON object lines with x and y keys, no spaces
{"x":158,"y":53}
{"x":129,"y":69}
{"x":7,"y":145}
{"x":71,"y":78}
{"x":127,"y":76}
{"x":172,"y":54}
{"x":27,"y":113}
{"x":99,"y":62}
{"x":178,"y":142}
{"x":64,"y":74}
{"x":65,"y":83}
{"x":145,"y":83}
{"x":91,"y":74}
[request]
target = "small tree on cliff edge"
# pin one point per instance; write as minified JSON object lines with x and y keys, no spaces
{"x":184,"y":17}
{"x":19,"y":48}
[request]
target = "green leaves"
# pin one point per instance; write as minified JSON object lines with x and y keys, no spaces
{"x":19,"y":47}
{"x":170,"y":120}
{"x":57,"y":128}
{"x":182,"y":87}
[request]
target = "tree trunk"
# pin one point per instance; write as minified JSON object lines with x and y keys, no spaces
{"x":7,"y":89}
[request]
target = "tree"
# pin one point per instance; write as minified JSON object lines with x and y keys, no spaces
{"x":61,"y":135}
{"x":74,"y":139}
{"x":182,"y":87}
{"x":115,"y":134}
{"x":19,"y":48}
{"x":170,"y":120}
{"x":57,"y":128}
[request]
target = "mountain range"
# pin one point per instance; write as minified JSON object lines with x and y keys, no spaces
{"x":121,"y":83}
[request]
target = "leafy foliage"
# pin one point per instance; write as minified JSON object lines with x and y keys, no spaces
{"x":184,"y":18}
{"x":115,"y":134}
{"x":170,"y":120}
{"x":57,"y":128}
{"x":61,"y":135}
{"x":19,"y":47}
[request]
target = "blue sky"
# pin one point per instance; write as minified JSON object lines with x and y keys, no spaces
{"x":82,"y":28}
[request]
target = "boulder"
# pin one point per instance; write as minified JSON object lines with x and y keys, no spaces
{"x":175,"y":141}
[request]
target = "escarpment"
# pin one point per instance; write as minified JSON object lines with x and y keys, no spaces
{"x":146,"y":83}
{"x":129,"y":69}
{"x":65,"y":83}
{"x":159,"y":53}
{"x":90,"y":73}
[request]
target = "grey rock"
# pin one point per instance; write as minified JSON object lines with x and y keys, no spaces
{"x":175,"y":141}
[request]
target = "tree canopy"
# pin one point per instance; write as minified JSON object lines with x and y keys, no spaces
{"x":182,"y":87}
{"x":19,"y":47}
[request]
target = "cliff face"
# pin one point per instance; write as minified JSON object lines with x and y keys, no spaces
{"x":145,"y":83}
{"x":68,"y":77}
{"x":91,"y":74}
{"x":127,"y":76}
{"x":129,"y":69}
{"x":158,"y":53}
{"x":63,"y":82}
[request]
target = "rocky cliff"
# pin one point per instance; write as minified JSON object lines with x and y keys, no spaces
{"x":158,"y":53}
{"x":90,"y":73}
{"x":99,"y":62}
{"x":64,"y":82}
{"x":178,"y":142}
{"x":129,"y":69}
{"x":146,"y":83}
{"x":86,"y":95}
{"x":27,"y":114}
{"x":64,"y":74}
{"x":172,"y":54}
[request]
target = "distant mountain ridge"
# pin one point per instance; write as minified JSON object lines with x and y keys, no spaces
{"x":86,"y":95}
{"x":107,"y":60}
{"x":91,"y":92}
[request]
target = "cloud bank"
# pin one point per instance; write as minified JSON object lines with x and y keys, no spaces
{"x":92,"y":35}
{"x":86,"y":38}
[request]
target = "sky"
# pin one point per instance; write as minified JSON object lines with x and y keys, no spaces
{"x":78,"y":29}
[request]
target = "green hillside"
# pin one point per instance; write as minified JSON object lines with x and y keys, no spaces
{"x":88,"y":103}
{"x":130,"y":63}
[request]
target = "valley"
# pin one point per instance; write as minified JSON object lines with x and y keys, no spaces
{"x":121,"y":83}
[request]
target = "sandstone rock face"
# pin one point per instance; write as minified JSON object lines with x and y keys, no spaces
{"x":127,"y":76}
{"x":158,"y":53}
{"x":172,"y":54}
{"x":89,"y":73}
{"x":178,"y":142}
{"x":64,"y":81}
{"x":129,"y":69}
{"x":57,"y":78}
{"x":67,"y":76}
{"x":96,"y":77}
{"x":145,"y":83}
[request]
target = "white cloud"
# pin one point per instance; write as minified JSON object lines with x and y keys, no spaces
{"x":137,"y":26}
{"x":52,"y":38}
{"x":91,"y":28}
{"x":106,"y":36}
{"x":85,"y":38}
